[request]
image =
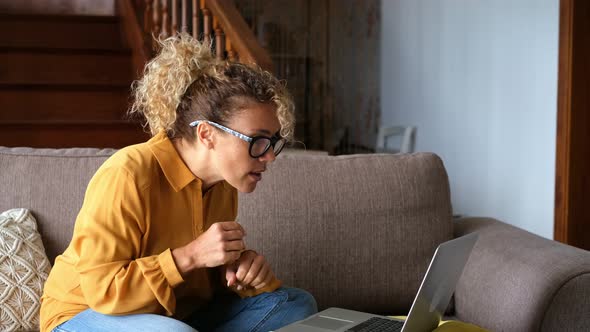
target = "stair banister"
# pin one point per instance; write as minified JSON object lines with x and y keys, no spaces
{"x":236,"y":30}
{"x":216,"y":21}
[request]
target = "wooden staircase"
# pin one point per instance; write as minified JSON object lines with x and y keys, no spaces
{"x":65,"y":79}
{"x":65,"y":82}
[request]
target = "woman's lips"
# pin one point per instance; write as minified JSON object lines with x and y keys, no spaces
{"x":256,"y":176}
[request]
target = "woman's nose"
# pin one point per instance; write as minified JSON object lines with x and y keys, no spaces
{"x":269,"y":156}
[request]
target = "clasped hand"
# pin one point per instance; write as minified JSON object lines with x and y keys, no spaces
{"x":223,"y":245}
{"x":251,"y":270}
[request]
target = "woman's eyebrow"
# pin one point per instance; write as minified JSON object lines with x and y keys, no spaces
{"x":264,"y":132}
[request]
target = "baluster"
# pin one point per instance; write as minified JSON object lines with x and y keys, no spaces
{"x":231,"y":54}
{"x":147,"y":17}
{"x":206,"y":26}
{"x":156,"y":27}
{"x":218,"y":39}
{"x":184,"y":26}
{"x":165,"y":19}
{"x":174,"y":17}
{"x":147,"y":24}
{"x":195,"y":20}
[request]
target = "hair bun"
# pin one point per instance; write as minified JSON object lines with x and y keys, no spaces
{"x":180,"y":60}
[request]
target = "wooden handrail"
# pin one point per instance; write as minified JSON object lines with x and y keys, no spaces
{"x":242,"y":38}
{"x":134,"y":35}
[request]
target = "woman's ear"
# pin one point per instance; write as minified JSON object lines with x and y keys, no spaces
{"x":206,"y":135}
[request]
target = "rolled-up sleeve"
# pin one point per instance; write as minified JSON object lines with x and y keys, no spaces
{"x":113,"y":277}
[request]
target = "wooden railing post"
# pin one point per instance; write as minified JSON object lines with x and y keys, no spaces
{"x":165,"y":19}
{"x":195,"y":19}
{"x":206,"y":26}
{"x":221,"y":20}
{"x":147,"y":17}
{"x":237,"y":30}
{"x":156,"y":26}
{"x":219,"y":45}
{"x":147,"y":25}
{"x":174,"y":17}
{"x":231,"y":54}
{"x":184,"y":9}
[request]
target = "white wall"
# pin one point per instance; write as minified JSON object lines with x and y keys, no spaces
{"x":479,"y":80}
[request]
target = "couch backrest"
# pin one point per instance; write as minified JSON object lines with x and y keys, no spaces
{"x":356,"y":231}
{"x":51,"y":183}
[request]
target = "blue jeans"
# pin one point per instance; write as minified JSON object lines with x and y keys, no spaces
{"x":226,"y":313}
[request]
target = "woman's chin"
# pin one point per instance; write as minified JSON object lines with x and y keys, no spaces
{"x":246,"y":186}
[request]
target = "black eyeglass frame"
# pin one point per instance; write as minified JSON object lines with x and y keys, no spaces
{"x":272,"y":141}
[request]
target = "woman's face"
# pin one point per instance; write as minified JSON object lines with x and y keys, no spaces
{"x":233,"y":159}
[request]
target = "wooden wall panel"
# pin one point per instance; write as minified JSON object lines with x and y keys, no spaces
{"x":354,"y":55}
{"x":319,"y":96}
{"x":328,"y":51}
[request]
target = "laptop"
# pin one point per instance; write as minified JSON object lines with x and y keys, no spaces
{"x":426,"y":312}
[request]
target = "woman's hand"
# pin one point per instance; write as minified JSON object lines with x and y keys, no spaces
{"x":221,"y":244}
{"x":251,"y":270}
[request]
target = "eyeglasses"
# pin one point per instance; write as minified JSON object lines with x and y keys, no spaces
{"x":259,"y":145}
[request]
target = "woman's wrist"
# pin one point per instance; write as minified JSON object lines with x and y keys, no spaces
{"x":184,"y":261}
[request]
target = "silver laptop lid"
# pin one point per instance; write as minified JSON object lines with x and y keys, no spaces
{"x":439,"y":284}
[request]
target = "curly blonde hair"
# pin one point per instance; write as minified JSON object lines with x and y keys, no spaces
{"x":185,"y":82}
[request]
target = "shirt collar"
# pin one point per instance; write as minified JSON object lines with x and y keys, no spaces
{"x":174,"y":168}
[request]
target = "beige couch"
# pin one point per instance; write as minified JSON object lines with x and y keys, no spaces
{"x":356,"y":231}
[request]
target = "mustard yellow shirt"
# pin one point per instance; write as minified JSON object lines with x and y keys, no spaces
{"x":141,"y":203}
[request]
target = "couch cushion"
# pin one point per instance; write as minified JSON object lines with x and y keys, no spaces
{"x":51,"y":183}
{"x":24,"y":267}
{"x":356,"y":231}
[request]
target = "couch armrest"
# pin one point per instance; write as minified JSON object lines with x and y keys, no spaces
{"x":518,"y":281}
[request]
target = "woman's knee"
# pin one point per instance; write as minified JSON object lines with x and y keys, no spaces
{"x":302,"y":300}
{"x":163,"y":323}
{"x":90,"y":320}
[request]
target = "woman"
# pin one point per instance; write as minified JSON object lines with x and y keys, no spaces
{"x":155,"y":245}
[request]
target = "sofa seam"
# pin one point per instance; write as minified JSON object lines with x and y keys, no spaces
{"x":108,"y":154}
{"x":557,"y":292}
{"x":360,"y":156}
{"x":54,"y":156}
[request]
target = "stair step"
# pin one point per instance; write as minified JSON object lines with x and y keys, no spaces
{"x":60,"y":31}
{"x":64,"y":50}
{"x":58,"y":7}
{"x":25,"y":67}
{"x":99,"y":135}
{"x":62,"y":104}
{"x":60,"y":18}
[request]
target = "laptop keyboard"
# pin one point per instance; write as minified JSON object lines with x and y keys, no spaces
{"x":377,"y":324}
